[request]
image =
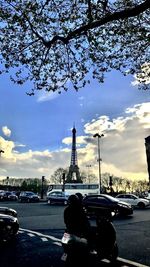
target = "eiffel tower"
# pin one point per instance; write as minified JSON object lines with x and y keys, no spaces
{"x":73,"y":174}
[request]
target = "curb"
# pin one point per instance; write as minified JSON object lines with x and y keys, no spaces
{"x":127,"y":263}
{"x":131,"y":263}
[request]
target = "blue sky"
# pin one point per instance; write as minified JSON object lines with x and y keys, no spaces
{"x":35,"y":132}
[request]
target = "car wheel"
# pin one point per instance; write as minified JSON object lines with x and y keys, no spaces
{"x":7,"y":233}
{"x":141,"y":205}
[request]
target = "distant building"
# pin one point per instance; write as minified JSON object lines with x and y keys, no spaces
{"x":147,"y":146}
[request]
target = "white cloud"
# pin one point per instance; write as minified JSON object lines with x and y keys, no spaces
{"x":46,"y":96}
{"x":122,"y":148}
{"x":7,"y":147}
{"x":6,"y":131}
{"x":79,"y":140}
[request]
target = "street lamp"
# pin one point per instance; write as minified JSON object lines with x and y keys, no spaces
{"x":42,"y":187}
{"x":99,"y":159}
{"x":88,"y":167}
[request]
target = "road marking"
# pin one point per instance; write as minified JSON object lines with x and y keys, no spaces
{"x":31,"y":235}
{"x":57,"y":242}
{"x":41,"y":235}
{"x":44,"y":239}
{"x":131,"y":263}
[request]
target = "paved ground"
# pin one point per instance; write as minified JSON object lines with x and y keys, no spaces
{"x":38,"y":243}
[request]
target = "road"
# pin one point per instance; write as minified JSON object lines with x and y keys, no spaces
{"x":41,"y":228}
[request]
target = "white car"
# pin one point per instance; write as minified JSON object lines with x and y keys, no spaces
{"x":148,"y":196}
{"x":133,"y":200}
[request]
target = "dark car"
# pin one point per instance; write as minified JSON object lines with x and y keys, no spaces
{"x":9,"y":227}
{"x":9,"y":195}
{"x":2,"y":193}
{"x":8,"y":211}
{"x":94,"y":204}
{"x":28,"y":196}
{"x":9,"y":224}
{"x":57,"y":197}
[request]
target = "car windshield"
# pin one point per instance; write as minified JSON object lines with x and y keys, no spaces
{"x":29,"y":194}
{"x":112,"y":198}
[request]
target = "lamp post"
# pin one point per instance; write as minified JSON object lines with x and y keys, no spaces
{"x":88,"y":167}
{"x":42,"y":187}
{"x":99,"y":159}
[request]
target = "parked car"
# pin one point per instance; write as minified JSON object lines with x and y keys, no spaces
{"x":28,"y":196}
{"x":57,"y":197}
{"x":148,"y":196}
{"x":2,"y":193}
{"x":9,"y":224}
{"x":133,"y":200}
{"x":9,"y":195}
{"x":8,"y":211}
{"x":95,"y":204}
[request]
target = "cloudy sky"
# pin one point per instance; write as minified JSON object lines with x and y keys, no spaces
{"x":35,"y":132}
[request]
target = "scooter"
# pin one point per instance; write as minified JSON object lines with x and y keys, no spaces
{"x":77,"y":249}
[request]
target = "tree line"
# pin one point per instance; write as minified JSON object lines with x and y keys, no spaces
{"x":110,"y":183}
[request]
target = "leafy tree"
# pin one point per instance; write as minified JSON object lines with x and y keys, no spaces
{"x":24,"y":185}
{"x":57,"y":176}
{"x":52,"y":43}
{"x":88,"y":178}
{"x":34,"y":185}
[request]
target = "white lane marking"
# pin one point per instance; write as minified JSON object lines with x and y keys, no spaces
{"x":57,"y":243}
{"x":41,"y":235}
{"x":31,"y":235}
{"x":131,"y":263}
{"x":44,"y":239}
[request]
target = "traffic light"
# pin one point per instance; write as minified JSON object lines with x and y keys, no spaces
{"x":110,"y":181}
{"x":43,"y":178}
{"x":63,"y":177}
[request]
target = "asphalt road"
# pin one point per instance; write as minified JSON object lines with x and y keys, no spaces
{"x":41,"y":228}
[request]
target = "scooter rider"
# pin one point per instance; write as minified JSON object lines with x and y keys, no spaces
{"x":75,"y":218}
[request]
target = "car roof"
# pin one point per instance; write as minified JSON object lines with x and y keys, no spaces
{"x":100,"y":195}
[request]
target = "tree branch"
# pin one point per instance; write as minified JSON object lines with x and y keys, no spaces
{"x":120,"y":15}
{"x":127,"y":13}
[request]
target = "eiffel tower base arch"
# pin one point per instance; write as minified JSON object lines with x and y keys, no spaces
{"x":73,"y":171}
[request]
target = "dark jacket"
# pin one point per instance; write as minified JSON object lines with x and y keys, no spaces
{"x":76,"y":221}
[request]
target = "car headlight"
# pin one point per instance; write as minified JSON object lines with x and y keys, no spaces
{"x":124,"y":205}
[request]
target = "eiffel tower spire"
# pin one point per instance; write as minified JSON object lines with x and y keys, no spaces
{"x":73,"y":174}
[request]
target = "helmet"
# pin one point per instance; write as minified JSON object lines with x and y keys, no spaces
{"x":79,"y":195}
{"x":73,"y":200}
